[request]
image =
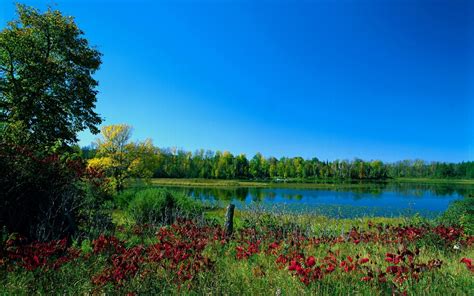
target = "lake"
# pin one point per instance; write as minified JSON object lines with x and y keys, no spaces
{"x":348,"y":201}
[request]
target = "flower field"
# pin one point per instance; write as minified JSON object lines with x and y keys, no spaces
{"x":195,"y":257}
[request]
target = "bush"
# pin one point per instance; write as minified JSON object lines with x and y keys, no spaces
{"x":122,"y":199}
{"x":94,"y":214}
{"x":460,"y":212}
{"x":38,"y":193}
{"x":160,"y":206}
{"x":46,"y":196}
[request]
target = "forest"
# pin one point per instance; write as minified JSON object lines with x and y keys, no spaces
{"x":178,"y":163}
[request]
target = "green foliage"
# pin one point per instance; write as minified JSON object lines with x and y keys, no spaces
{"x":47,"y":96}
{"x":120,"y":159}
{"x":122,"y":199}
{"x":160,"y":206}
{"x":460,"y":212}
{"x":94,"y":211}
{"x":46,"y":83}
{"x":260,"y":273}
{"x":86,"y":246}
{"x":173,"y":163}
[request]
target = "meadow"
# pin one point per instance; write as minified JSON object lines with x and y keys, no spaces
{"x":165,"y":243}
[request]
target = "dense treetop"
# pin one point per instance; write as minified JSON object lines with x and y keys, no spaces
{"x":46,"y":85}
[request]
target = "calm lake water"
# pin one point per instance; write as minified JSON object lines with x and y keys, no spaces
{"x":379,"y":199}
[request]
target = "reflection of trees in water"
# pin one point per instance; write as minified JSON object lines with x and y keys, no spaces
{"x":257,"y":194}
{"x":360,"y":195}
{"x":271,"y":195}
{"x":241,"y":193}
{"x":411,"y":189}
{"x":373,"y":190}
{"x":292,"y":196}
{"x":360,"y":191}
{"x":408,"y":189}
{"x":226,"y":194}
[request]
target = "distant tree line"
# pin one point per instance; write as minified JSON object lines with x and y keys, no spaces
{"x":176,"y":163}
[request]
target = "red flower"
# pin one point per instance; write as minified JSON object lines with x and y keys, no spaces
{"x":273,"y":245}
{"x":366,"y":278}
{"x":363,"y":260}
{"x":294,"y":265}
{"x":466,"y":261}
{"x":304,"y":280}
{"x":310,"y":261}
{"x":392,"y":269}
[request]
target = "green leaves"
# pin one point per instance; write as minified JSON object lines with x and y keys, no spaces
{"x":46,"y":82}
{"x":119,"y":158}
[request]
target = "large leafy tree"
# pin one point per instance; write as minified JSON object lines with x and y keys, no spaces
{"x":46,"y":84}
{"x":47,"y":95}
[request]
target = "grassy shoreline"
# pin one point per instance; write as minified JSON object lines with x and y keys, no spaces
{"x":325,"y":185}
{"x":269,"y":253}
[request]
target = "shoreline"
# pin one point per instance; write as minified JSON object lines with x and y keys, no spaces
{"x":328,"y":184}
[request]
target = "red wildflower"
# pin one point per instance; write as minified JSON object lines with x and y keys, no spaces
{"x":392,"y":269}
{"x":294,"y":265}
{"x":363,"y":260}
{"x":310,"y":261}
{"x":273,"y":245}
{"x":466,"y":261}
{"x":330,"y":268}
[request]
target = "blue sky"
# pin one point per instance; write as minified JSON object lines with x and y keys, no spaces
{"x":380,"y":79}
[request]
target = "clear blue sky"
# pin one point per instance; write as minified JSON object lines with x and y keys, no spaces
{"x":378,"y":79}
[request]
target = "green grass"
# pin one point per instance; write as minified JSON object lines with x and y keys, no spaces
{"x":259,"y":274}
{"x":244,"y":183}
{"x":324,"y":185}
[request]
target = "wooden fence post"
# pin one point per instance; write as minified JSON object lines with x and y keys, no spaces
{"x":229,"y":220}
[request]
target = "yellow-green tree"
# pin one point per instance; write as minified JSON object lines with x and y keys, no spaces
{"x":119,"y":158}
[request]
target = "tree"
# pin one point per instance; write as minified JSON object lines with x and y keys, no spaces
{"x":46,"y":84}
{"x":241,"y":166}
{"x":47,"y":95}
{"x":257,"y":166}
{"x":121,"y":159}
{"x":225,"y":168}
{"x":272,"y":167}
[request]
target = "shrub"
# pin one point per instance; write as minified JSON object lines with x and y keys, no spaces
{"x":94,"y":212}
{"x":460,"y":212}
{"x":45,"y":196}
{"x":122,"y":199}
{"x":160,"y":206}
{"x":38,"y":193}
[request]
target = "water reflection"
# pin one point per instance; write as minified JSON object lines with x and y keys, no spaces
{"x":390,"y":196}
